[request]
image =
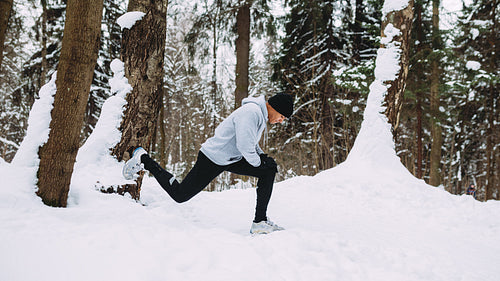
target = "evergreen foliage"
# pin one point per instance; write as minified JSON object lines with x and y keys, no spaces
{"x":326,"y":63}
{"x":469,"y":101}
{"x":476,"y":129}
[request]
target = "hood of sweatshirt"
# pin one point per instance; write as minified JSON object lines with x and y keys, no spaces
{"x":260,"y":101}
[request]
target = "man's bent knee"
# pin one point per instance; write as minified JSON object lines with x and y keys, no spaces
{"x":270,"y":171}
{"x":181,"y":197}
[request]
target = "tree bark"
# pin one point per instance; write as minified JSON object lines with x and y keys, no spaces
{"x":328,"y":138}
{"x":143,"y":49}
{"x":43,"y":74}
{"x":162,"y":136}
{"x":493,"y":102}
{"x":242,"y":59}
{"x":76,"y":67}
{"x":242,"y":53}
{"x":214,"y":69}
{"x":436,"y":131}
{"x":357,"y":30}
{"x":401,"y":20}
{"x":418,"y":92}
{"x":490,"y":156}
{"x":5,"y":9}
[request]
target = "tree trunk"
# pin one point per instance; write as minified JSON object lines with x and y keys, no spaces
{"x":449,"y":184}
{"x":327,"y":126}
{"x":418,"y":92}
{"x":360,"y":9}
{"x":214,"y":74}
{"x":401,"y":20}
{"x":5,"y":9}
{"x":76,"y":67}
{"x":242,"y":54}
{"x":43,"y":74}
{"x":143,"y":49}
{"x":436,"y":131}
{"x":492,"y":132}
{"x":162,"y":136}
{"x":490,"y":157}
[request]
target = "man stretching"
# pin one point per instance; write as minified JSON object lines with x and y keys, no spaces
{"x":234,"y":148}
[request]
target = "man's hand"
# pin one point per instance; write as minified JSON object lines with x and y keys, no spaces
{"x":267,"y":162}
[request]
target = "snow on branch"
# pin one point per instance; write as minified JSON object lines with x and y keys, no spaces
{"x":8,"y":142}
{"x":128,"y":20}
{"x":38,"y":127}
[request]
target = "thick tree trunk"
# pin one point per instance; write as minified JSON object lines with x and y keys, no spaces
{"x":242,"y":54}
{"x":436,"y":131}
{"x":143,"y":48}
{"x":242,"y":59}
{"x":76,"y":67}
{"x":5,"y":9}
{"x":401,"y":20}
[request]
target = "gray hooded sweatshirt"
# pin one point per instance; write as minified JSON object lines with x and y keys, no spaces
{"x":239,"y":134}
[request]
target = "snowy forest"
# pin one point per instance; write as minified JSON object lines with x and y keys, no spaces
{"x":396,"y":113}
{"x":215,"y":53}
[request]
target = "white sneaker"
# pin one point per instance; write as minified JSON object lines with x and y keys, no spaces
{"x":133,"y":165}
{"x":265,"y":227}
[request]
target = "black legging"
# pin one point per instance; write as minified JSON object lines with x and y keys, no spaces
{"x":204,"y":171}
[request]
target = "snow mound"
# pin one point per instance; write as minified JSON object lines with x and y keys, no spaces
{"x":94,"y":164}
{"x":342,"y":224}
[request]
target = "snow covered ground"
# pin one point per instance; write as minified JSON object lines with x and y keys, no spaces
{"x":353,"y":222}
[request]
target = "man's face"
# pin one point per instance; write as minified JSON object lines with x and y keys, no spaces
{"x":274,"y":116}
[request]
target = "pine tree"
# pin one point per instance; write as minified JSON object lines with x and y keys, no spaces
{"x":315,"y":45}
{"x":435,"y":79}
{"x":412,"y":136}
{"x":477,"y":136}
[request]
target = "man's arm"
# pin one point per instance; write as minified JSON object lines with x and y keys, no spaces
{"x":259,"y":150}
{"x":246,"y":125}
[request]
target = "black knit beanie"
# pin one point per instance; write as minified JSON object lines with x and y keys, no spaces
{"x":283,"y":103}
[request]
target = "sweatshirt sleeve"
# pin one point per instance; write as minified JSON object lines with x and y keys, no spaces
{"x":259,"y":150}
{"x":246,"y":125}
